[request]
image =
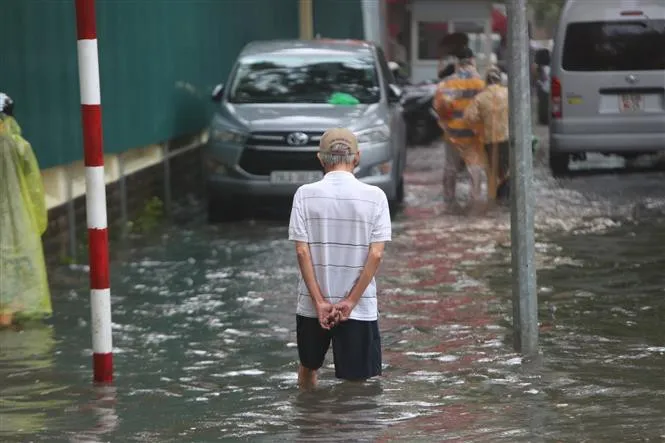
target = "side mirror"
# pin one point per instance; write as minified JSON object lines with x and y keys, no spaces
{"x":399,"y":73}
{"x":394,"y":66}
{"x":394,"y":93}
{"x":542,"y":57}
{"x":217,"y":93}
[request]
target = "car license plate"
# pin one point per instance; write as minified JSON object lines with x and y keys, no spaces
{"x":295,"y":177}
{"x":631,"y":103}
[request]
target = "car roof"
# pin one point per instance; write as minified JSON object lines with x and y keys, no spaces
{"x":286,"y":47}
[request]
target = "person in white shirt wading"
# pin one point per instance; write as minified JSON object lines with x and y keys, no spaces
{"x":340,"y":226}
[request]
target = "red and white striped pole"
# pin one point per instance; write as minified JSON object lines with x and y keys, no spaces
{"x":95,"y":198}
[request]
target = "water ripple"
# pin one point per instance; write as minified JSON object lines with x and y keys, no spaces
{"x":205,"y":340}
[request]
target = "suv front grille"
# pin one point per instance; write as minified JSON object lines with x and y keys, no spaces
{"x":260,"y":162}
{"x":278,"y":138}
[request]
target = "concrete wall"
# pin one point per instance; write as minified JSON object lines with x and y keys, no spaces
{"x":177,"y":174}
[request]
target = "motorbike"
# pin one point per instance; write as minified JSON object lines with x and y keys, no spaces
{"x":422,"y":123}
{"x":422,"y":127}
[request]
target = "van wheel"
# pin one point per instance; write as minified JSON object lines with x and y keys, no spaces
{"x":559,"y":164}
{"x":224,"y":209}
{"x":393,"y":208}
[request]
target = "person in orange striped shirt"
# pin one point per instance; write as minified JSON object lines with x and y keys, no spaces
{"x":464,"y":144}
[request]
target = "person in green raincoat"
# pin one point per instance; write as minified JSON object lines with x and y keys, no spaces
{"x":24,"y":291}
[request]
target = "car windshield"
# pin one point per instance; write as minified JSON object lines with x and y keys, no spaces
{"x":306,"y":78}
{"x":615,"y":46}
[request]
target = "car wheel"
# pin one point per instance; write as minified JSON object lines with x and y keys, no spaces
{"x":399,"y":193}
{"x":224,"y":209}
{"x":393,"y":208}
{"x":410,"y":133}
{"x":396,"y":203}
{"x":559,"y":164}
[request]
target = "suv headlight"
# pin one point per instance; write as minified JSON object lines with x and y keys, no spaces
{"x":379,"y":134}
{"x":227,"y":136}
{"x":215,"y":166}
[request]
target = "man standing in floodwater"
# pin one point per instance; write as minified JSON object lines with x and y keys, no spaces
{"x":463,"y":145}
{"x":340,"y":226}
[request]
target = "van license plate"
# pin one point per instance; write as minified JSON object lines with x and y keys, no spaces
{"x":295,"y":177}
{"x":631,"y":103}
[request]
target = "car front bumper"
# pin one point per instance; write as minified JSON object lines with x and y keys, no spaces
{"x":235,"y":183}
{"x":241,"y":187}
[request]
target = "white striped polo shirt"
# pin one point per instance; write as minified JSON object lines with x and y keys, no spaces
{"x":339,"y":216}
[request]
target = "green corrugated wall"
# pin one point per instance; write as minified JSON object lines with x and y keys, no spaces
{"x":159,"y":60}
{"x":338,"y":19}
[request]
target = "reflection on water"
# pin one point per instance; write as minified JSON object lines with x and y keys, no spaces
{"x":26,"y":359}
{"x":106,"y":420}
{"x":36,"y":396}
{"x":343,"y":409}
{"x":205,"y":339}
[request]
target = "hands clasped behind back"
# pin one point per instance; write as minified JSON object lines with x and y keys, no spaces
{"x":330,"y":315}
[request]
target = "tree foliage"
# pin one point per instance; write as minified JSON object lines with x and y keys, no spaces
{"x":546,"y":12}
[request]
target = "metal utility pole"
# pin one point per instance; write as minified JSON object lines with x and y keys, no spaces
{"x":525,"y":296}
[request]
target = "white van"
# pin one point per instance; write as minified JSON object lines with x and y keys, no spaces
{"x":607,"y":90}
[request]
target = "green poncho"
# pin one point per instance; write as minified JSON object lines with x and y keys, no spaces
{"x":24,"y":288}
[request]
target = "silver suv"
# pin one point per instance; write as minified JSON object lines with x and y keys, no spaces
{"x":280,"y":98}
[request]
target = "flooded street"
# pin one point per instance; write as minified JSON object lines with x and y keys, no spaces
{"x":204,"y":331}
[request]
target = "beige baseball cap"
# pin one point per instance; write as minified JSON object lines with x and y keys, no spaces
{"x":338,"y":141}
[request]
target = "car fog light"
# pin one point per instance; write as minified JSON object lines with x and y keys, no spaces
{"x":216,"y":167}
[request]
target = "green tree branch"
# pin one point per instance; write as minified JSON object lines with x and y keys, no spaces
{"x":546,"y":12}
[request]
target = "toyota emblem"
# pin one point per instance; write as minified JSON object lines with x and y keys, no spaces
{"x":632,"y":79}
{"x":297,"y":139}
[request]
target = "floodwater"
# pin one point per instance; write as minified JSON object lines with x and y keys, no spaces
{"x":204,"y":332}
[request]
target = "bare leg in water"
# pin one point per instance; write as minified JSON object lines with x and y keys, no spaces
{"x":453,"y":164}
{"x":476,"y":159}
{"x":476,"y":204}
{"x":307,"y":378}
{"x":449,"y":184}
{"x":6,"y":319}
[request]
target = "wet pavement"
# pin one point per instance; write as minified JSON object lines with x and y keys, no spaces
{"x":204,"y":331}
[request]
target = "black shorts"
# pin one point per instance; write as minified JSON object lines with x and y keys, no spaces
{"x":356,"y":347}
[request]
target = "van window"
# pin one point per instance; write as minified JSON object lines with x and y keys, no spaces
{"x":615,"y":46}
